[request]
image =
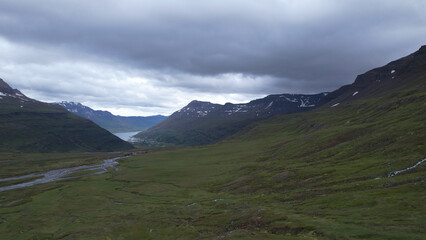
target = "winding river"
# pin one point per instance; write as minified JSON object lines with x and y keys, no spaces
{"x":60,"y":174}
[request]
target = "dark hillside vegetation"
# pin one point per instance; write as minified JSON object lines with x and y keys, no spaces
{"x":27,"y":125}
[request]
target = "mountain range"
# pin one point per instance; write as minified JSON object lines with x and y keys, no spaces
{"x":28,"y":125}
{"x":110,"y":122}
{"x":204,"y":122}
{"x":54,"y":129}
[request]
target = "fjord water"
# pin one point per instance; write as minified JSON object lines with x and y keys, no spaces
{"x":126,"y":136}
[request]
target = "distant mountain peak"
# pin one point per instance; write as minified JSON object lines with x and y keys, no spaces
{"x":4,"y":85}
{"x":7,"y":92}
{"x":109,"y":121}
{"x":71,"y":104}
{"x":204,"y":122}
{"x":76,"y":107}
{"x":199,"y":103}
{"x":268,"y":105}
{"x":199,"y":108}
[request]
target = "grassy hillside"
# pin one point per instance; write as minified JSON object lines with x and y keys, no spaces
{"x":27,"y":125}
{"x":313,"y":175}
{"x":54,"y":132}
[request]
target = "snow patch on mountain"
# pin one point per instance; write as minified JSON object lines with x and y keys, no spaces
{"x":202,"y":113}
{"x":305,"y":103}
{"x":17,"y":95}
{"x":270,"y":105}
{"x":290,"y":99}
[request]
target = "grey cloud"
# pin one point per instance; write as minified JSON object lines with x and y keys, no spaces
{"x":276,"y":46}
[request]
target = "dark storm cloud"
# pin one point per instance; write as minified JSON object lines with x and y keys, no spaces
{"x":274,"y":46}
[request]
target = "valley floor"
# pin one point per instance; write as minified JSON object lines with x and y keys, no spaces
{"x":208,"y":193}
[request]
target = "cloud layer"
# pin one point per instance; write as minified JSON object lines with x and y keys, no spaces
{"x":147,"y":57}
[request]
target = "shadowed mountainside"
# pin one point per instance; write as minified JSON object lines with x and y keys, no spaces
{"x":27,"y":125}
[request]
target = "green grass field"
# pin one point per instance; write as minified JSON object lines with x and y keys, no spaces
{"x":313,"y":175}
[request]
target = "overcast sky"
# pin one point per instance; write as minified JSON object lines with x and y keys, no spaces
{"x":135,"y":57}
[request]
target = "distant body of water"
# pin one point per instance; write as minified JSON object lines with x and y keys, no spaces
{"x":126,"y":135}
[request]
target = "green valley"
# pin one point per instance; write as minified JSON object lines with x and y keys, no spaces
{"x":322,"y":174}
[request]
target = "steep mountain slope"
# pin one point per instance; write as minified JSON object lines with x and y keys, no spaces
{"x":112,"y":122}
{"x":204,"y":122}
{"x":27,"y":125}
{"x":381,"y":80}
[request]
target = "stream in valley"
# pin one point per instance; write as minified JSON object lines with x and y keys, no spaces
{"x":60,"y":174}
